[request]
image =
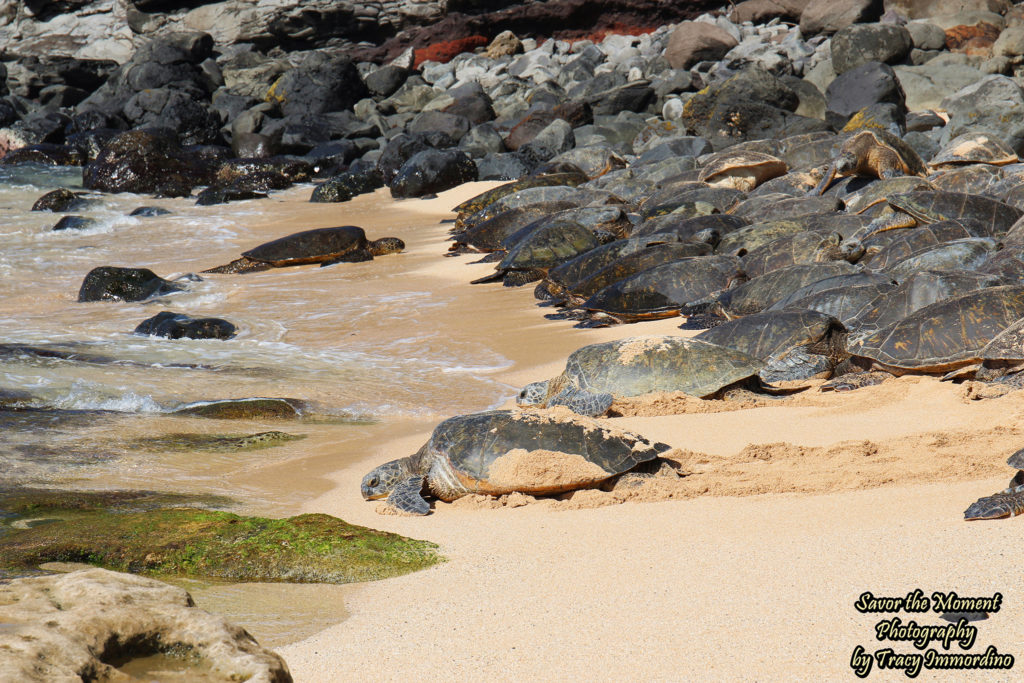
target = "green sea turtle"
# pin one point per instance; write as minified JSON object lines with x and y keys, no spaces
{"x":596,"y":374}
{"x":913,"y":209}
{"x":973,"y":148}
{"x":553,"y":243}
{"x":873,"y":154}
{"x":325,"y":246}
{"x":505,"y":451}
{"x":1007,"y":503}
{"x":485,"y":199}
{"x":741,"y":169}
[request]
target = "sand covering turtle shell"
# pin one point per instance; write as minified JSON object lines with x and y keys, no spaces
{"x":635,"y":347}
{"x":542,"y":469}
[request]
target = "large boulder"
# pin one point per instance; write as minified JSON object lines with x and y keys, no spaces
{"x":696,"y":41}
{"x":763,"y":11}
{"x":925,"y":86}
{"x":860,"y":87}
{"x":178,"y":325}
{"x":862,"y":43}
{"x":923,"y":9}
{"x":324,"y":84}
{"x":112,"y":283}
{"x":433,"y":170}
{"x":994,"y":105}
{"x":829,"y":16}
{"x":79,"y":626}
{"x":146,"y":163}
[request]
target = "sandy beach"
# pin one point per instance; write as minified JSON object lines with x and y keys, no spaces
{"x":746,"y":568}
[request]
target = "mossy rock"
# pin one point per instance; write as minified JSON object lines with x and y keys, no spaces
{"x":214,"y":442}
{"x":246,"y":409}
{"x":311,"y":548}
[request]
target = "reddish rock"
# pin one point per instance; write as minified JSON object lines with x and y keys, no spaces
{"x":527,"y":129}
{"x":696,"y":41}
{"x":447,"y":51}
{"x":977,"y":39}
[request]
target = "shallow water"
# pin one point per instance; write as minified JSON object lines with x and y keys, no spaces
{"x":367,"y":346}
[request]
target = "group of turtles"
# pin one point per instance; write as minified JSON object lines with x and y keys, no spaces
{"x":848,"y":258}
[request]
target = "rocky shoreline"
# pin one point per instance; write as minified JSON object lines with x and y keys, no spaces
{"x":835,"y":191}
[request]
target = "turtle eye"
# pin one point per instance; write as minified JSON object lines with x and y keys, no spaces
{"x":373,"y":482}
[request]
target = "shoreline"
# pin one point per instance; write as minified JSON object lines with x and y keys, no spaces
{"x":519,"y":581}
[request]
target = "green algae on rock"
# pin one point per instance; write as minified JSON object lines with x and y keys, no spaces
{"x":214,"y":442}
{"x":246,"y":409}
{"x":196,"y":542}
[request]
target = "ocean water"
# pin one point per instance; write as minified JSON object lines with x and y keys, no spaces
{"x":363,"y":345}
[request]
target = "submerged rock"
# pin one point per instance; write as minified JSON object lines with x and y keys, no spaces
{"x":103,"y":529}
{"x":178,"y":325}
{"x":246,"y":409}
{"x":74,"y":223}
{"x":149,"y":212}
{"x":58,"y":201}
{"x":78,"y":626}
{"x":111,"y":283}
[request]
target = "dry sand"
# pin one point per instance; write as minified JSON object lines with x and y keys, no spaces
{"x":746,"y":568}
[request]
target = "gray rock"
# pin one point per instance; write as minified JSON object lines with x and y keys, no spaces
{"x":502,"y":166}
{"x":926,"y":85}
{"x":452,"y":125}
{"x":433,"y":170}
{"x":922,"y":143}
{"x":1010,"y":42}
{"x":812,"y":102}
{"x":923,"y":9}
{"x":860,"y":87}
{"x":555,"y":138}
{"x":994,"y":105}
{"x":829,"y":16}
{"x":761,"y":11}
{"x":482,"y":140}
{"x":695,"y":41}
{"x":926,"y":35}
{"x":862,"y":43}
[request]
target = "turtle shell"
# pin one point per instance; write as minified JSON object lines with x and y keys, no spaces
{"x":875,"y":193}
{"x":549,"y":245}
{"x":530,"y":196}
{"x":917,"y":291}
{"x":963,"y":254}
{"x":567,"y":274}
{"x":931,"y":207}
{"x":503,"y":451}
{"x":741,"y":169}
{"x":661,"y":291}
{"x":836,"y":287}
{"x":719,"y":198}
{"x":889,"y":248}
{"x":636,"y":262}
{"x":685,"y":228}
{"x":774,"y":207}
{"x":973,"y":179}
{"x":309,"y":246}
{"x":488,"y":236}
{"x":842,"y":303}
{"x":767,"y":334}
{"x":945,"y":335}
{"x":974,"y":148}
{"x":810,"y":246}
{"x":744,"y":240}
{"x":641,"y":365}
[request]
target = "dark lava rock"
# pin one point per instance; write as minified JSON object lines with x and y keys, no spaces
{"x":149,"y":211}
{"x":476,"y":107}
{"x":59,"y":200}
{"x":178,"y":325}
{"x":452,"y":125}
{"x":44,"y":153}
{"x":635,"y":96}
{"x":860,"y":87}
{"x":527,"y":129}
{"x":223,"y":195}
{"x":433,"y":170}
{"x":192,"y":121}
{"x":385,"y":81}
{"x":331,"y":85}
{"x":144,"y":162}
{"x":246,"y":409}
{"x":111,"y":283}
{"x":503,"y":166}
{"x":74,"y":223}
{"x":91,"y":142}
{"x":253,"y":145}
{"x":862,"y":43}
{"x":403,"y":147}
{"x":347,"y":185}
{"x":829,"y":16}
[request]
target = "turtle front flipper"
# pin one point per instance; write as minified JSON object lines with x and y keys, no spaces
{"x":582,"y":402}
{"x":795,"y":364}
{"x":357,"y":256}
{"x":829,"y":176}
{"x":240,"y":265}
{"x":407,"y":497}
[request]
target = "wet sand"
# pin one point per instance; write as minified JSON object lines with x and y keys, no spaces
{"x":789,"y":512}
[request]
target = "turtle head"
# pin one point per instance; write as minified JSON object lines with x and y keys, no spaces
{"x":380,"y":482}
{"x":851,"y":250}
{"x":534,"y":394}
{"x":845,"y":163}
{"x":386,"y":245}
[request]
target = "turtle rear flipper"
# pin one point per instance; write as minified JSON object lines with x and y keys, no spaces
{"x":994,"y":507}
{"x":407,"y":497}
{"x":582,"y":402}
{"x":826,"y":180}
{"x":796,"y":363}
{"x":240,"y":265}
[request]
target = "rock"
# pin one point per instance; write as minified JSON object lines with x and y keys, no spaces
{"x":502,"y":166}
{"x":74,"y":223}
{"x":860,"y":87}
{"x":925,"y":86}
{"x":635,"y":97}
{"x":812,"y":102}
{"x":43,"y":153}
{"x":926,"y":36}
{"x":505,"y":44}
{"x":556,"y":138}
{"x":1010,"y":42}
{"x":149,"y":212}
{"x":862,"y":43}
{"x":59,"y":627}
{"x":246,"y":409}
{"x":432,"y":171}
{"x":763,"y":11}
{"x":697,"y":41}
{"x":451,"y":125}
{"x":222,"y":195}
{"x":829,"y":16}
{"x":482,"y":140}
{"x":402,"y":147}
{"x":178,"y":325}
{"x":994,"y":105}
{"x":343,"y":187}
{"x":385,"y":81}
{"x":976,"y":39}
{"x":924,"y":9}
{"x":174,"y":110}
{"x":476,"y":108}
{"x":332,"y":84}
{"x":112,"y":283}
{"x":59,"y":200}
{"x":145,"y":163}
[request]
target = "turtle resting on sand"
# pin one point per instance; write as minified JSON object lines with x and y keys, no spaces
{"x":325,"y":246}
{"x":873,"y":154}
{"x":505,"y":451}
{"x":1007,"y":503}
{"x":594,"y":375}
